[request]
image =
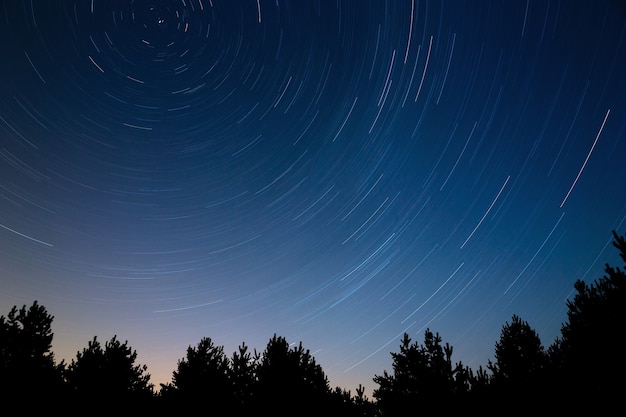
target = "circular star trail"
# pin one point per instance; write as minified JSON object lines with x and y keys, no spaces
{"x":335,"y":172}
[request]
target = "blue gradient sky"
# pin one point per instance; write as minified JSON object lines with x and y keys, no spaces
{"x":335,"y":172}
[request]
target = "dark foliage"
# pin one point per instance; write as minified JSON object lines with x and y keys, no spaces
{"x":242,"y":375}
{"x":586,"y":362}
{"x":202,"y":376}
{"x":288,"y":376}
{"x":580,"y":372}
{"x":277,"y":381}
{"x":519,"y":367}
{"x":423,"y":377}
{"x":27,"y":366}
{"x":99,"y":375}
{"x":341,"y":402}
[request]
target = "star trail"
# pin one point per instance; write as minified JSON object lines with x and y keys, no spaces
{"x":337,"y":172}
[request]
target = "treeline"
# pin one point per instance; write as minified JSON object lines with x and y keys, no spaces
{"x":583,"y":370}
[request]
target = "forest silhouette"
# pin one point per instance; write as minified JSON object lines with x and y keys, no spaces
{"x":582,"y":371}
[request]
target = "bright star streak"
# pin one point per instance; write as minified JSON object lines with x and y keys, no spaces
{"x":487,"y":212}
{"x":586,"y":159}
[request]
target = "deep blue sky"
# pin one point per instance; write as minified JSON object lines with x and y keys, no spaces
{"x":335,"y":172}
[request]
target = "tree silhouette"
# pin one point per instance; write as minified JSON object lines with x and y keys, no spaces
{"x":27,"y":366}
{"x":581,"y":371}
{"x":202,"y":376}
{"x":242,"y":373}
{"x":343,"y":403}
{"x":520,"y":362}
{"x":422,"y":375}
{"x":99,"y":375}
{"x":586,"y":361}
{"x":287,"y":377}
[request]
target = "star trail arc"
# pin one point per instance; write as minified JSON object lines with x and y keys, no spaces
{"x":336,"y":172}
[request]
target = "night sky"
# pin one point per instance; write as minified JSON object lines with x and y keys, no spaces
{"x":334,"y":172}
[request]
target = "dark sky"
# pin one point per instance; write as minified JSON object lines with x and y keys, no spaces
{"x":334,"y":172}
